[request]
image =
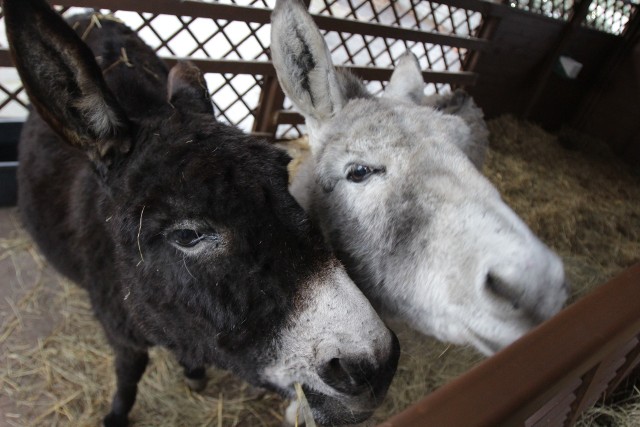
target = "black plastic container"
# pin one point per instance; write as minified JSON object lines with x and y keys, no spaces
{"x":9,"y":135}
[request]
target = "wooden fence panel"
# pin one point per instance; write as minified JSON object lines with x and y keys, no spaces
{"x":229,"y":40}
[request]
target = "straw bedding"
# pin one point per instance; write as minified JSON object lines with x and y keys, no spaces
{"x":56,"y":368}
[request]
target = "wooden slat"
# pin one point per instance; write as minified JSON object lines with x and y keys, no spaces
{"x":263,"y":16}
{"x":178,"y":8}
{"x":632,"y":361}
{"x":461,"y":78}
{"x":265,"y":68}
{"x":271,"y":100}
{"x":256,"y":68}
{"x":579,"y":13}
{"x":368,"y":28}
{"x":603,"y":375}
{"x":564,"y":398}
{"x":288,"y":117}
{"x":5,"y":58}
{"x":556,"y":416}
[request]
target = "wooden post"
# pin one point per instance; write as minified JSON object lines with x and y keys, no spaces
{"x":631,"y":38}
{"x":271,"y":101}
{"x":485,"y":32}
{"x":579,"y":13}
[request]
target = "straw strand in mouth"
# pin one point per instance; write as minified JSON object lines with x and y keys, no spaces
{"x":303,"y":407}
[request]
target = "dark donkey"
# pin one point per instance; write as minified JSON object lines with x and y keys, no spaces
{"x":181,"y":228}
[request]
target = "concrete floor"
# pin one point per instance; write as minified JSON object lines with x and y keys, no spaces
{"x":27,"y":290}
{"x":23,"y":273}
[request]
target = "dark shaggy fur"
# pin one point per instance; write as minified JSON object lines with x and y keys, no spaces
{"x":103,"y":202}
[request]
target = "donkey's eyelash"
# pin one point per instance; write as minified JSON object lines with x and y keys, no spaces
{"x":374,"y":169}
{"x":199,"y":226}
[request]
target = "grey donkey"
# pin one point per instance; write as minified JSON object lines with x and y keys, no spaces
{"x":394,"y":183}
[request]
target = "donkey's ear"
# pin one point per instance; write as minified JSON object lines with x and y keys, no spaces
{"x":406,"y":81}
{"x":64,"y":81}
{"x":188,"y":89}
{"x":303,"y":62}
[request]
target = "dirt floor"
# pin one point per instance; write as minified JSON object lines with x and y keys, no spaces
{"x":56,"y":369}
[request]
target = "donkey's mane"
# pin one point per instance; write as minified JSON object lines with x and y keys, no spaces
{"x":352,"y":86}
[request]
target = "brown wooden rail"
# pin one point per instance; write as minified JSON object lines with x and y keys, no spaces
{"x":263,"y":16}
{"x":265,"y":68}
{"x":549,"y":376}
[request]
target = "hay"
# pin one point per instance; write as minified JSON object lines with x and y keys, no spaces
{"x":303,"y":410}
{"x":64,"y":376}
{"x":624,"y":414}
{"x":56,"y":367}
{"x":578,"y":197}
{"x":582,"y":200}
{"x":122,"y":59}
{"x":93,"y":22}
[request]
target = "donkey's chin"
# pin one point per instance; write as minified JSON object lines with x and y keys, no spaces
{"x":329,"y":410}
{"x":488,"y":347}
{"x":489,"y":344}
{"x":332,"y":410}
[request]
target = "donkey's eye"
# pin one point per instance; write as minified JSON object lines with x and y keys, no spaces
{"x":193,"y":241}
{"x":358,"y":173}
{"x":186,"y":238}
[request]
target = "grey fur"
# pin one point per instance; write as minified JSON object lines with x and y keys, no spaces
{"x":426,"y":237}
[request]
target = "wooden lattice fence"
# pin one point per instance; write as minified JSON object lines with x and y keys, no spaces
{"x":229,"y":40}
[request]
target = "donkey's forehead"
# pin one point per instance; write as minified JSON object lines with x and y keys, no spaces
{"x":390,"y":134}
{"x":200,"y":144}
{"x":208,"y":171}
{"x":383,"y":123}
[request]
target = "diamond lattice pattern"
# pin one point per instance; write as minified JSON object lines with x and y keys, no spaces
{"x":236,"y":97}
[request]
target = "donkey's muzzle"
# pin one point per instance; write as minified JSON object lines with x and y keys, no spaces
{"x":353,"y":375}
{"x":361,"y":385}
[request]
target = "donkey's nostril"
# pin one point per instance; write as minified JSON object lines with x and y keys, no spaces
{"x":363,"y":373}
{"x":501,"y":290}
{"x":348,"y":376}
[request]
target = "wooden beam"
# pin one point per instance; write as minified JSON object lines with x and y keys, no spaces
{"x":330,"y":23}
{"x":461,"y":78}
{"x":5,"y":58}
{"x":265,"y":68}
{"x":631,"y":37}
{"x":579,"y":13}
{"x":263,"y":16}
{"x":230,"y":66}
{"x":271,"y":100}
